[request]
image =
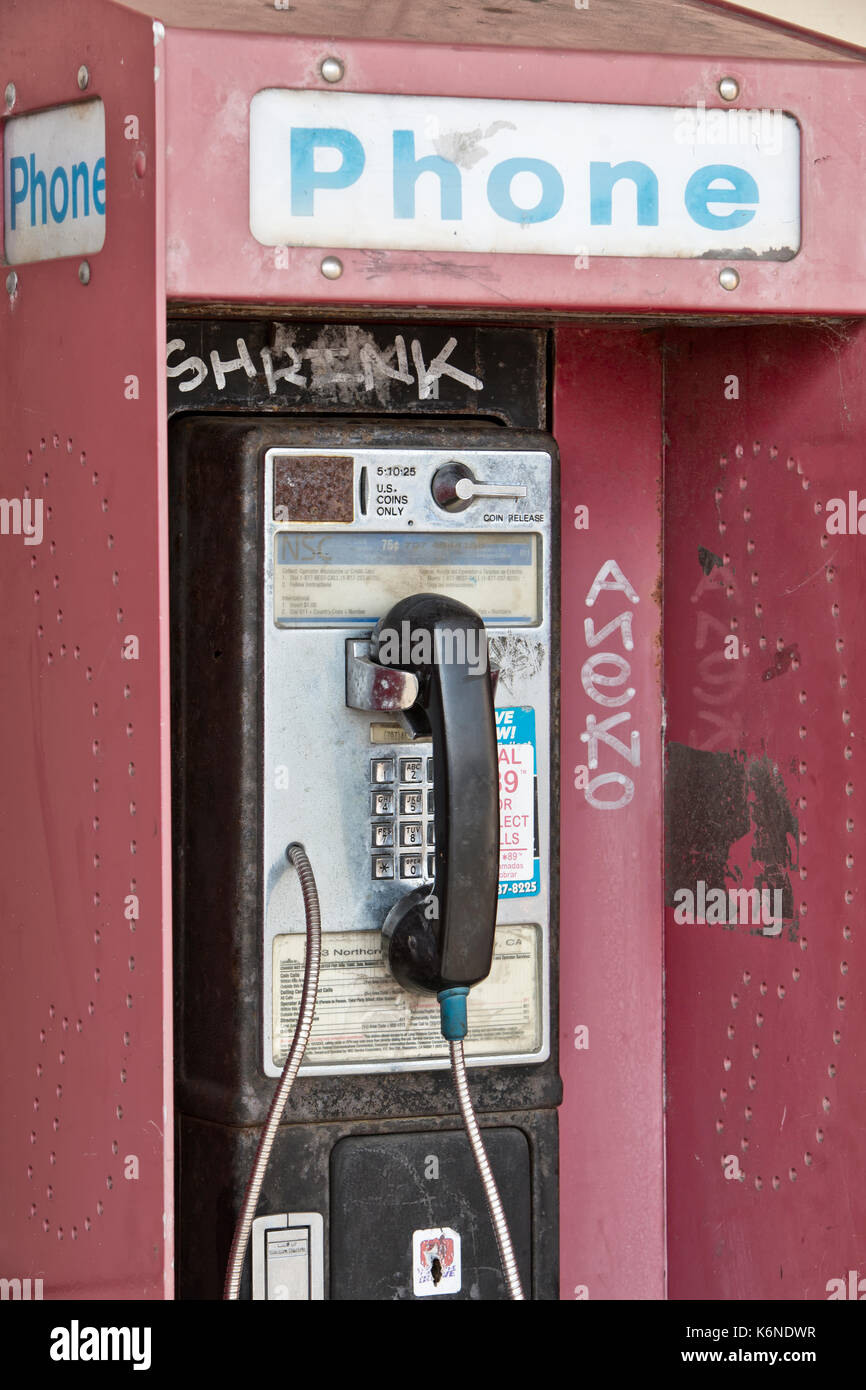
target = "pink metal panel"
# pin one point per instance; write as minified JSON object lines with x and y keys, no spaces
{"x":611,"y":1145}
{"x":641,"y":26}
{"x":766,"y":1033}
{"x":84,"y":800}
{"x":211,"y":254}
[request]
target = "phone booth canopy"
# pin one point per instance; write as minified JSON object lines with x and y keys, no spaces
{"x":627,"y":288}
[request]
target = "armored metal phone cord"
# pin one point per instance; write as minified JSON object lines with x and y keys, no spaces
{"x":295,"y":853}
{"x":452,"y":1004}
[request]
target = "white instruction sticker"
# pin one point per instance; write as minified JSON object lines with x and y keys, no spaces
{"x":363,"y":1015}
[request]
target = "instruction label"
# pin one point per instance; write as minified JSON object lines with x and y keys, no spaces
{"x":363,"y":1015}
{"x":518,"y":834}
{"x":354,"y":578}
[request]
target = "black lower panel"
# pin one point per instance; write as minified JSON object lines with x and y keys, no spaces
{"x":385,"y":1189}
{"x":375,"y":1184}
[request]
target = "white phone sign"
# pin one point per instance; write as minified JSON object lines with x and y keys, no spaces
{"x":54,"y":183}
{"x":350,"y":169}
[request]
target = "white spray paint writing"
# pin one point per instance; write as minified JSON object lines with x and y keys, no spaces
{"x":724,"y":679}
{"x":611,"y":578}
{"x":326,"y":366}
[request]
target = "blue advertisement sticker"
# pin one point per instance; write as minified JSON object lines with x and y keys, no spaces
{"x":518,"y":820}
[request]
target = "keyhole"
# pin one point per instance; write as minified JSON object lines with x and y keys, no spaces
{"x":436,"y":1269}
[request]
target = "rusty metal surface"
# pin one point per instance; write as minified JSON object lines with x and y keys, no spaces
{"x":407,"y":368}
{"x":84,"y":1027}
{"x":765,"y":1025}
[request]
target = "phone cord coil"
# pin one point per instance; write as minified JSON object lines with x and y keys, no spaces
{"x":491,"y":1192}
{"x":296,"y":855}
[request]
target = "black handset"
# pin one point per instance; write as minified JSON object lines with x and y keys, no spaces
{"x":440,"y":938}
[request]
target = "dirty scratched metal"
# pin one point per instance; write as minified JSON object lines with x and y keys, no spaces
{"x":765,"y":789}
{"x":420,"y":369}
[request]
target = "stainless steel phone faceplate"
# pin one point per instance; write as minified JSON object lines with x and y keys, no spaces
{"x":351,"y":787}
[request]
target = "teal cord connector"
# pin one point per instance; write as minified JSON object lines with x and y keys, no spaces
{"x":452,"y":1013}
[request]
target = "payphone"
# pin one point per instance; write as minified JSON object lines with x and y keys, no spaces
{"x":348,"y":593}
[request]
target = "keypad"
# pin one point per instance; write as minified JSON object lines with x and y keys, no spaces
{"x":402,"y":835}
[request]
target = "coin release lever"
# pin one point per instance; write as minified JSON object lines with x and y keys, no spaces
{"x":454,"y":487}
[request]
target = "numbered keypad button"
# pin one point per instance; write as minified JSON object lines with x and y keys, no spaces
{"x":382,"y":770}
{"x":383,"y":803}
{"x":411,"y":833}
{"x":411,"y":803}
{"x":410,"y":866}
{"x":411,"y":769}
{"x":383,"y":834}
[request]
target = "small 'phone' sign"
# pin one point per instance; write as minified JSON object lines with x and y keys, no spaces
{"x":54,"y":183}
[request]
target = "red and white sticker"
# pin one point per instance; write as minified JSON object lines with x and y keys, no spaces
{"x":435,"y":1262}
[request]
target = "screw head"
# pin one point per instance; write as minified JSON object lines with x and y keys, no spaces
{"x":332,"y":267}
{"x":10,"y":95}
{"x":729,"y":89}
{"x":83,"y":78}
{"x":12,"y":282}
{"x":84,"y":272}
{"x":729,"y":278}
{"x":332,"y":69}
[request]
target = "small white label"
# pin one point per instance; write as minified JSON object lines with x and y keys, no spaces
{"x":288,"y":1257}
{"x":435,"y":1262}
{"x":288,"y":1263}
{"x":54,"y":183}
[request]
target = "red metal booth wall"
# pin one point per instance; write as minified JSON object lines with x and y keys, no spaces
{"x":709,"y":458}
